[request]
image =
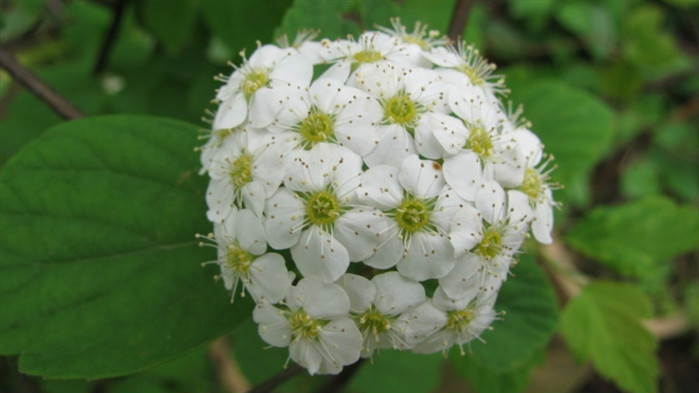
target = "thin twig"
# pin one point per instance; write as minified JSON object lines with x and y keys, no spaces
{"x":32,"y":82}
{"x":110,"y":37}
{"x":338,"y":383}
{"x":269,"y":385}
{"x":226,"y":367}
{"x":459,"y":17}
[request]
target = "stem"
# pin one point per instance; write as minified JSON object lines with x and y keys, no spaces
{"x":337,"y":383}
{"x":40,"y":89}
{"x":110,"y":37}
{"x":459,"y":17}
{"x":268,"y":385}
{"x":227,"y":369}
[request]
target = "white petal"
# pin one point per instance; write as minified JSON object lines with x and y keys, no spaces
{"x":361,"y":231}
{"x":509,"y":167}
{"x":322,"y":300}
{"x":250,"y":232}
{"x":269,"y":278}
{"x":466,"y":229}
{"x":341,"y":341}
{"x":464,"y":174}
{"x":361,"y":292}
{"x":429,"y":256}
{"x":273,"y":326}
{"x":422,"y":321}
{"x":388,"y":255}
{"x":449,"y":132}
{"x":231,"y":112}
{"x":519,"y":211}
{"x":395,"y":293}
{"x":295,"y":69}
{"x":285,"y":215}
{"x":319,"y":254}
{"x":543,"y":223}
{"x":393,"y":147}
{"x":265,"y":104}
{"x":421,"y":178}
{"x":490,"y":200}
{"x":219,"y":198}
{"x":306,"y":353}
{"x":465,"y":280}
{"x":425,"y":141}
{"x":379,"y":187}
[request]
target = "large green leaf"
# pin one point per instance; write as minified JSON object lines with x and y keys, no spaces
{"x":100,"y":273}
{"x":603,"y":324}
{"x":171,"y":23}
{"x":529,"y":320}
{"x":395,"y":371}
{"x":635,"y":237}
{"x":574,"y":125}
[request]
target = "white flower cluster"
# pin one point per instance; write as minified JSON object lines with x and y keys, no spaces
{"x":370,"y":193}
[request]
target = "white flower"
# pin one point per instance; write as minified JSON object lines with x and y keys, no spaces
{"x":241,"y":177}
{"x":314,"y":217}
{"x":242,"y":256}
{"x":315,"y":325}
{"x":487,"y":237}
{"x":464,"y":320}
{"x":419,"y":209}
{"x":327,"y":112}
{"x":269,"y":66}
{"x":377,"y":304}
{"x":407,"y":96}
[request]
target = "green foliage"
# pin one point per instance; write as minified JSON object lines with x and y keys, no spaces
{"x":394,"y":371}
{"x":603,"y":325}
{"x":488,"y":380}
{"x":575,"y":126}
{"x":635,"y":238}
{"x":114,"y":283}
{"x":171,"y":24}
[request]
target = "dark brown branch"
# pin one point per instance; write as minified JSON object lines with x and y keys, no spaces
{"x":338,"y":383}
{"x":110,"y":37}
{"x":32,"y":82}
{"x":269,"y":385}
{"x":459,"y":17}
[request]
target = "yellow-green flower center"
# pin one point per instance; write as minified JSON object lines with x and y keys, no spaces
{"x":240,"y":171}
{"x":532,"y":183}
{"x":367,"y":56}
{"x":472,"y":74}
{"x":491,"y":244}
{"x":373,"y":322}
{"x":238,"y":259}
{"x":316,"y":128}
{"x":479,"y":141}
{"x":253,"y":81}
{"x":458,"y":320}
{"x":303,"y":326}
{"x":412,"y":216}
{"x":322,"y":209}
{"x":400,"y":110}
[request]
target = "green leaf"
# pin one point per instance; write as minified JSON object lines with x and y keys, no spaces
{"x":575,"y":126}
{"x":171,"y":23}
{"x":603,"y":324}
{"x":635,"y":237}
{"x":486,"y":380}
{"x":593,"y":23}
{"x":395,"y":371}
{"x":330,"y":17}
{"x":239,"y":24}
{"x":529,"y":320}
{"x":100,"y":273}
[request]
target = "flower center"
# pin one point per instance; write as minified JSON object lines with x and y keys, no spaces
{"x":253,"y":81}
{"x":479,"y":141}
{"x":412,"y":215}
{"x":373,"y":322}
{"x":322,"y":209}
{"x":304,"y":326}
{"x":532,"y":183}
{"x":400,"y":109}
{"x":367,"y":56}
{"x":238,"y":259}
{"x":317,"y":127}
{"x":472,"y":74}
{"x":491,"y":244}
{"x":240,"y":171}
{"x":458,"y":320}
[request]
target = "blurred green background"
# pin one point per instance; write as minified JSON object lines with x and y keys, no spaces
{"x":611,"y":86}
